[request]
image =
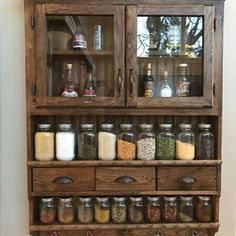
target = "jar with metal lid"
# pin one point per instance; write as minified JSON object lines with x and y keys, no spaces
{"x":126,"y":146}
{"x":205,"y":143}
{"x":106,"y":142}
{"x":170,"y":209}
{"x":87,"y":142}
{"x":102,"y":210}
{"x":153,"y":209}
{"x":119,"y":210}
{"x":44,"y":142}
{"x":85,"y":210}
{"x":65,"y":210}
{"x":165,"y":143}
{"x":65,"y":142}
{"x":185,"y":143}
{"x":186,"y":209}
{"x":203,"y":209}
{"x":136,"y":210}
{"x":146,"y":144}
{"x":47,"y":210}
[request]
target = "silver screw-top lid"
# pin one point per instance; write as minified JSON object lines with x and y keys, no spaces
{"x":87,"y":126}
{"x":64,"y":127}
{"x":85,"y":199}
{"x":186,"y":198}
{"x":126,"y":126}
{"x":136,"y":199}
{"x":146,"y":126}
{"x":165,"y":126}
{"x":119,"y":199}
{"x":44,"y":126}
{"x":106,"y":126}
{"x":102,"y":199}
{"x":204,"y":198}
{"x":153,"y":198}
{"x":185,"y":126}
{"x":170,"y":198}
{"x":47,"y":199}
{"x":205,"y":126}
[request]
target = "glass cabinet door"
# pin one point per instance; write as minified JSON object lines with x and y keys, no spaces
{"x":80,"y":55}
{"x":170,"y":56}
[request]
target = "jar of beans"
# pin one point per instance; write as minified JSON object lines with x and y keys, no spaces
{"x":186,"y":209}
{"x":153,"y":209}
{"x":65,"y":210}
{"x":146,"y":144}
{"x":126,"y":146}
{"x":47,"y":210}
{"x":102,"y":210}
{"x":136,"y":210}
{"x":170,"y":209}
{"x":85,"y":210}
{"x":204,"y":209}
{"x":119,"y":210}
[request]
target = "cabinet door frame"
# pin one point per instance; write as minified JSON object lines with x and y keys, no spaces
{"x":118,"y":12}
{"x":205,"y":101}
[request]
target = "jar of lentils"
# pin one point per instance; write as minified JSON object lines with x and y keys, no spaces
{"x":203,"y":209}
{"x":136,"y":210}
{"x":102,"y":210}
{"x":119,"y":210}
{"x":146,"y":144}
{"x":153,"y":209}
{"x":85,"y":210}
{"x":47,"y":210}
{"x":65,"y":210}
{"x":186,"y":209}
{"x":170,"y":209}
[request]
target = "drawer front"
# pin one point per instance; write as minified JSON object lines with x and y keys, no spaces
{"x":126,"y":178}
{"x":63,"y":179}
{"x":186,"y":178}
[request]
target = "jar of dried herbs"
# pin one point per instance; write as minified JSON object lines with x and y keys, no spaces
{"x":165,"y":143}
{"x":65,"y":210}
{"x":47,"y":210}
{"x":119,"y":210}
{"x":102,"y":210}
{"x":85,"y":210}
{"x":170,"y":209}
{"x":153,"y":209}
{"x":186,"y":209}
{"x":204,"y":209}
{"x":136,"y":210}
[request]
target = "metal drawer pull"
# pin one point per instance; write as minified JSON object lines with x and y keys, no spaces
{"x":125,"y":180}
{"x":63,"y":180}
{"x":187,"y":180}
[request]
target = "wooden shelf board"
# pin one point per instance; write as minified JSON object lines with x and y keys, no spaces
{"x":83,"y":52}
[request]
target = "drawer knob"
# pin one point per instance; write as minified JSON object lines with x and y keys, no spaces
{"x":187,"y":180}
{"x":125,"y":180}
{"x":63,"y":180}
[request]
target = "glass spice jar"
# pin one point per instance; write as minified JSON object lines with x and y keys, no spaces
{"x":102,"y":210}
{"x":87,"y":142}
{"x":146,"y":144}
{"x":65,"y":210}
{"x":47,"y":210}
{"x":165,"y":143}
{"x":44,"y":142}
{"x":170,"y":209}
{"x":153,"y":209}
{"x":136,"y":210}
{"x":85,"y":210}
{"x":119,"y":210}
{"x":126,"y":146}
{"x":203,"y":209}
{"x":186,"y":209}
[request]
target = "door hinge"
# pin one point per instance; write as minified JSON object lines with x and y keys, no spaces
{"x":214,"y":89}
{"x":215,"y":24}
{"x":33,"y":22}
{"x":34,"y":89}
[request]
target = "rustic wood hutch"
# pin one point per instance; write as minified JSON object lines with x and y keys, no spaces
{"x":118,"y":67}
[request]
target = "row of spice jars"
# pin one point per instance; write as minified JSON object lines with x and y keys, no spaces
{"x":138,"y":209}
{"x":106,"y":145}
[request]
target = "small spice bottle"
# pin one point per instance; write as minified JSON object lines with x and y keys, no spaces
{"x":106,"y":142}
{"x":205,"y":143}
{"x":87,"y":142}
{"x":119,"y":210}
{"x":153,"y":209}
{"x":165,"y":143}
{"x":185,"y":143}
{"x":65,"y":210}
{"x":186,"y":209}
{"x":203,"y":209}
{"x":135,"y":210}
{"x":126,"y":146}
{"x":102,"y":210}
{"x":47,"y":210}
{"x":169,"y":209}
{"x":85,"y":210}
{"x":146,"y":144}
{"x":65,"y":142}
{"x":44,"y":142}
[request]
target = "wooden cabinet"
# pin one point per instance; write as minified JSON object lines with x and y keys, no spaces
{"x":181,"y":44}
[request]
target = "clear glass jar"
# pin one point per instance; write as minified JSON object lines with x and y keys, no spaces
{"x":85,"y":210}
{"x":146,"y":144}
{"x":203,"y":209}
{"x":87,"y":142}
{"x":126,"y":146}
{"x":182,"y":85}
{"x":47,"y":210}
{"x":186,"y":209}
{"x":205,"y":143}
{"x":185,"y":143}
{"x":170,"y":209}
{"x":153,"y":209}
{"x":165,"y":143}
{"x":65,"y":142}
{"x":106,"y":142}
{"x":65,"y":210}
{"x":136,"y":210}
{"x":102,"y":210}
{"x":44,"y":142}
{"x":119,"y":210}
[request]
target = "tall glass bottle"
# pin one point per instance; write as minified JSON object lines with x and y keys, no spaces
{"x":182,"y":85}
{"x":148,"y":81}
{"x":165,"y":88}
{"x":89,"y":88}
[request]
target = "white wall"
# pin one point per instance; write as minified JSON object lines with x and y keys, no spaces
{"x":13,"y":199}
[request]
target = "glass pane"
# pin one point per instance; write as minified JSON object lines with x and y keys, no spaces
{"x":80,"y":57}
{"x":170,"y":56}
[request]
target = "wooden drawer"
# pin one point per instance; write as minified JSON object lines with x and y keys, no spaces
{"x":63,"y":179}
{"x":126,"y":178}
{"x":186,"y":178}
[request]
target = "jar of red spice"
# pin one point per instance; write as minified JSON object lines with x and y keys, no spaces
{"x":47,"y":210}
{"x":170,"y":209}
{"x":65,"y":210}
{"x":153,"y":209}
